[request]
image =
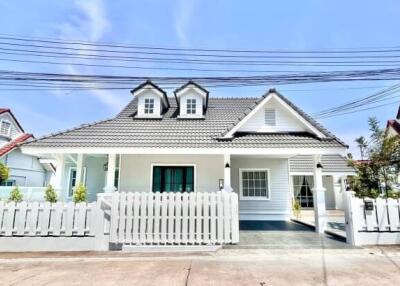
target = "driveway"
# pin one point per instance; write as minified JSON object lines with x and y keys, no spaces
{"x":283,"y":235}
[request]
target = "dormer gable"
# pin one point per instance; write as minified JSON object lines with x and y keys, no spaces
{"x":9,"y":126}
{"x":152,"y":100}
{"x":274,"y":114}
{"x":192,"y":100}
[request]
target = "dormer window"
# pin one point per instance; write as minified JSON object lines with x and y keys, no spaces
{"x":192,"y":101}
{"x":149,"y":105}
{"x":191,"y":106}
{"x":152,"y":101}
{"x":5,"y":128}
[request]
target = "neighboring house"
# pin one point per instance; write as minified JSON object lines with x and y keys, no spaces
{"x":192,"y":142}
{"x":393,"y":125}
{"x":25,"y":170}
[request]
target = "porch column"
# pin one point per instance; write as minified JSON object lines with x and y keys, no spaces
{"x":79,"y":169}
{"x":60,"y":167}
{"x":112,"y":158}
{"x":227,"y":173}
{"x":319,"y":196}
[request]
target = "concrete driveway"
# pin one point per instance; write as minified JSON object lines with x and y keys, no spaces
{"x":226,"y":267}
{"x":283,"y":235}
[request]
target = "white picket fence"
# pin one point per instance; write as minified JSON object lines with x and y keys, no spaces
{"x":174,"y":218}
{"x":380,"y":225}
{"x":46,"y":219}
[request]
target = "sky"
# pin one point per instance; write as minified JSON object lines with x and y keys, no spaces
{"x":197,"y":24}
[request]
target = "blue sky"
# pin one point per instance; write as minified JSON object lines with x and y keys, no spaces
{"x":197,"y":24}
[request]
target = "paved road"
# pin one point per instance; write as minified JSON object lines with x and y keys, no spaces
{"x":377,"y":266}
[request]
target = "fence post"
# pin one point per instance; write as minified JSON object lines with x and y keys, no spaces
{"x":101,"y":236}
{"x":351,"y":225}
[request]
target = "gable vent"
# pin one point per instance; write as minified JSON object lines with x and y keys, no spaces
{"x":270,"y":117}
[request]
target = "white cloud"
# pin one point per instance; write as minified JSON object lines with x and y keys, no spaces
{"x":88,"y":22}
{"x":184,"y":14}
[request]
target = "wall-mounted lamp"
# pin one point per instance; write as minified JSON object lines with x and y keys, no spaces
{"x":105,"y":166}
{"x":221,"y":184}
{"x":227,"y":165}
{"x":319,"y":165}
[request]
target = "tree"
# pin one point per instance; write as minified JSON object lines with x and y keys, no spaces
{"x":4,"y":172}
{"x":383,"y":154}
{"x":80,"y":193}
{"x":15,"y":195}
{"x":50,"y":194}
{"x":362,"y":144}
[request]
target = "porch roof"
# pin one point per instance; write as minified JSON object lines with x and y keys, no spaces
{"x":126,"y":130}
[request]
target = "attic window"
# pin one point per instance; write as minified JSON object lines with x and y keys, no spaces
{"x":149,"y":105}
{"x":191,"y":106}
{"x":5,"y":128}
{"x":270,"y":117}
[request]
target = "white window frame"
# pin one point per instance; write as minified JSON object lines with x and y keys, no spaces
{"x":190,"y":103}
{"x":9,"y":129}
{"x":247,"y":198}
{"x":151,"y":102}
{"x":69,"y":187}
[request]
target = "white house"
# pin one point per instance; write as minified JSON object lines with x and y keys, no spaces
{"x":25,"y":170}
{"x":263,"y":148}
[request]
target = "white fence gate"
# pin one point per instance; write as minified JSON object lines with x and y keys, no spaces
{"x":174,"y":218}
{"x":46,"y":219}
{"x":372,"y":221}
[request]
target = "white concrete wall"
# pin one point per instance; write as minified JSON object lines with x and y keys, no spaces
{"x":330,"y":197}
{"x":26,"y":169}
{"x":190,"y":94}
{"x":135,"y":174}
{"x":157,"y":103}
{"x":285,"y":121}
{"x":279,"y":205}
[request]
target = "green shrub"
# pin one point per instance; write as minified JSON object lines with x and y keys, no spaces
{"x":393,"y":194}
{"x":296,"y":208}
{"x":4,"y":172}
{"x":50,"y":194}
{"x":365,"y":193}
{"x":15,"y":195}
{"x":80,"y":193}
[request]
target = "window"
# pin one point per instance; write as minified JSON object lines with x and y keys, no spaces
{"x":270,"y":117}
{"x":254,"y":184}
{"x":5,"y":128}
{"x":302,"y":190}
{"x":173,"y":179}
{"x":8,"y":183}
{"x":149,"y":105}
{"x":72,"y":180}
{"x":191,"y":106}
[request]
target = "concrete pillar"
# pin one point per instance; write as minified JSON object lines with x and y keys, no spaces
{"x":60,"y":168}
{"x":338,"y":189}
{"x":79,"y":169}
{"x":319,"y":196}
{"x":227,"y":173}
{"x":112,"y":158}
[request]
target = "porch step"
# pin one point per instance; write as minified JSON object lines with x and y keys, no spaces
{"x":170,"y":248}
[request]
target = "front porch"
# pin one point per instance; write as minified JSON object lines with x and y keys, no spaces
{"x":262,"y":182}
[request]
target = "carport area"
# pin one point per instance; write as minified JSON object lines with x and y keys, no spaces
{"x":284,"y":235}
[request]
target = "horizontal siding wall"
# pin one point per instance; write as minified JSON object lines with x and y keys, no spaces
{"x":331,"y":164}
{"x":136,"y":170}
{"x":279,"y":205}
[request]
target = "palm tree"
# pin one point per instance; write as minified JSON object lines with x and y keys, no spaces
{"x":362,"y":144}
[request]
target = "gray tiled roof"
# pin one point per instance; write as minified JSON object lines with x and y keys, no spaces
{"x":127,"y":131}
{"x":330,"y":163}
